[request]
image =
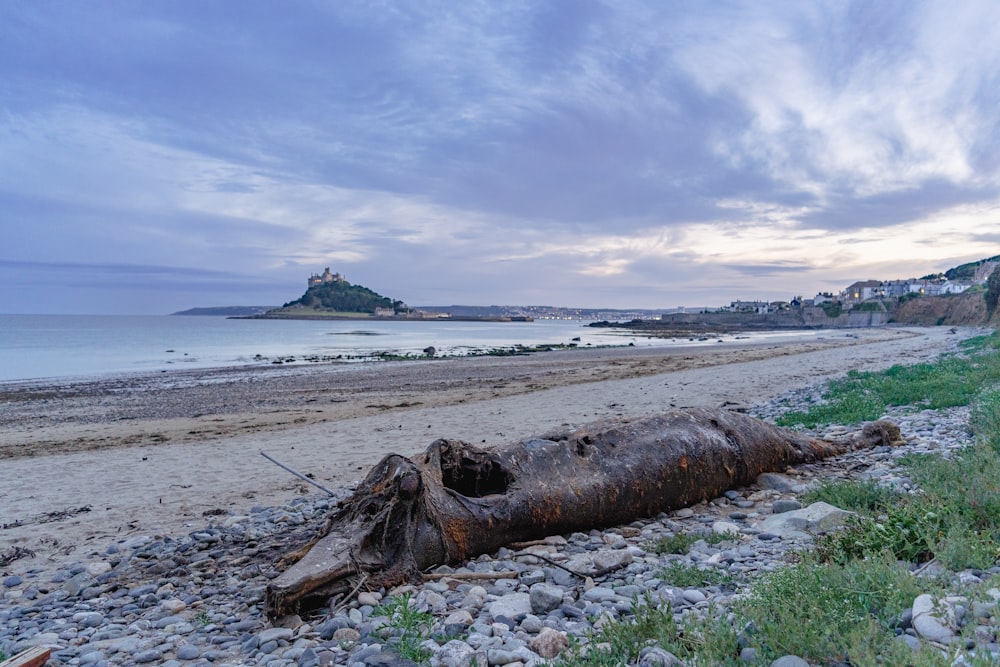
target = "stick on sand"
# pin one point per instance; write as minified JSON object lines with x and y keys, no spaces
{"x":304,"y":478}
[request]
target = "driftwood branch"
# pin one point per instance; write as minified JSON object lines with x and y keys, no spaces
{"x":456,"y":501}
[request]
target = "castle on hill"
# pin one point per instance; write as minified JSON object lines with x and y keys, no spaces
{"x":326,"y":277}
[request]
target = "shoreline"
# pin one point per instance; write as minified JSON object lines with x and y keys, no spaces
{"x":157,"y":457}
{"x":58,"y":415}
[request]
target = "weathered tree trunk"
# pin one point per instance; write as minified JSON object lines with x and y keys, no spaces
{"x":456,"y":501}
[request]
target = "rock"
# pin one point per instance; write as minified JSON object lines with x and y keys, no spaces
{"x":188,"y":652}
{"x":654,"y":656}
{"x":694,"y":596}
{"x":98,"y":568}
{"x":776,"y":482}
{"x":151,"y":655}
{"x":725,"y":528}
{"x":611,"y":559}
{"x":371,"y":599}
{"x":346,"y":635}
{"x":789,"y":661}
{"x":456,"y":654}
{"x":274,"y":634}
{"x":545,"y":598}
{"x":599,"y":594}
{"x":512,"y":605}
{"x":460,"y":617}
{"x":927,"y":624}
{"x":173,"y":605}
{"x":814,"y":518}
{"x":782,"y":506}
{"x":549,"y":643}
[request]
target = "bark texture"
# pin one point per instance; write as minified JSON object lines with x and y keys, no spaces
{"x":456,"y":501}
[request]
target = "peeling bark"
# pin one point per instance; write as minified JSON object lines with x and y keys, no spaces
{"x":456,"y":501}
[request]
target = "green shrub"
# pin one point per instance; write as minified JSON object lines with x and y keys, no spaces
{"x":947,"y":382}
{"x":691,"y":576}
{"x":854,"y":496}
{"x":849,"y":609}
{"x":408,"y":628}
{"x":671,"y":544}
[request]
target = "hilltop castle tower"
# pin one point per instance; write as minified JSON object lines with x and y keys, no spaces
{"x":325,"y":277}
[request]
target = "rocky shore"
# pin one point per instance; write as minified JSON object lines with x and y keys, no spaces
{"x":196,"y":598}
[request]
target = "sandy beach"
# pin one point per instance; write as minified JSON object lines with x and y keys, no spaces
{"x":86,"y":464}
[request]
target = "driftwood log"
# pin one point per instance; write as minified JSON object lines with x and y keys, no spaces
{"x":456,"y":501}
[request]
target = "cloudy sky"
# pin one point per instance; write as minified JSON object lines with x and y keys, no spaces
{"x":156,"y":156}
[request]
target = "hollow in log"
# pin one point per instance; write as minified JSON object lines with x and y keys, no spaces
{"x":456,"y":501}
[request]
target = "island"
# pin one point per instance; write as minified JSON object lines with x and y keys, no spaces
{"x":330,"y":296}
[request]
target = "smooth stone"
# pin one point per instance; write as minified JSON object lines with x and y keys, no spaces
{"x":781,"y":506}
{"x":549,"y":643}
{"x":926,"y":624}
{"x":188,"y":652}
{"x":654,"y":656}
{"x":611,"y":559}
{"x":776,"y":482}
{"x":789,"y":661}
{"x":346,"y":635}
{"x":149,"y":655}
{"x":814,"y":518}
{"x":460,"y":617}
{"x":725,"y":528}
{"x":455,"y":653}
{"x":545,"y":597}
{"x":694,"y":596}
{"x":599,"y":594}
{"x":512,"y":605}
{"x":274,"y":634}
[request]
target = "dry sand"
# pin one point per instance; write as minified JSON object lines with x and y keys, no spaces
{"x":153,"y":454}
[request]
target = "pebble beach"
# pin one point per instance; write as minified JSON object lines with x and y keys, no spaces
{"x":140,"y":526}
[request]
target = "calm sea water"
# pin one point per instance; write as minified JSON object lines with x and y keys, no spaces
{"x":47,"y":346}
{"x":58,"y":346}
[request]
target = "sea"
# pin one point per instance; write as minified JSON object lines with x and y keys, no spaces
{"x":37,"y":347}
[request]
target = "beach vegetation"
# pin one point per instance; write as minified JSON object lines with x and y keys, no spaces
{"x":692,"y":576}
{"x":681,"y":543}
{"x":858,"y":582}
{"x":864,"y":396}
{"x":853,"y":495}
{"x":407,"y":628}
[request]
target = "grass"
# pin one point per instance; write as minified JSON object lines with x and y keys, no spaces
{"x":857,"y":581}
{"x":407,"y":627}
{"x":951,"y":381}
{"x":691,"y":576}
{"x":681,"y":543}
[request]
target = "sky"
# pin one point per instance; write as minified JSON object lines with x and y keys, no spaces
{"x":162,"y":155}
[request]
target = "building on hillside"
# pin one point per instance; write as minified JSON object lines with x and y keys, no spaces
{"x":861,"y":291}
{"x":759,"y":307}
{"x":325,"y":277}
{"x":822,"y":297}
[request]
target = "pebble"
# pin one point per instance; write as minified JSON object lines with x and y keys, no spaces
{"x":198,"y":598}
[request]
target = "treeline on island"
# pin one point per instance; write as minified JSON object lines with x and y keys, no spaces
{"x":342,"y":297}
